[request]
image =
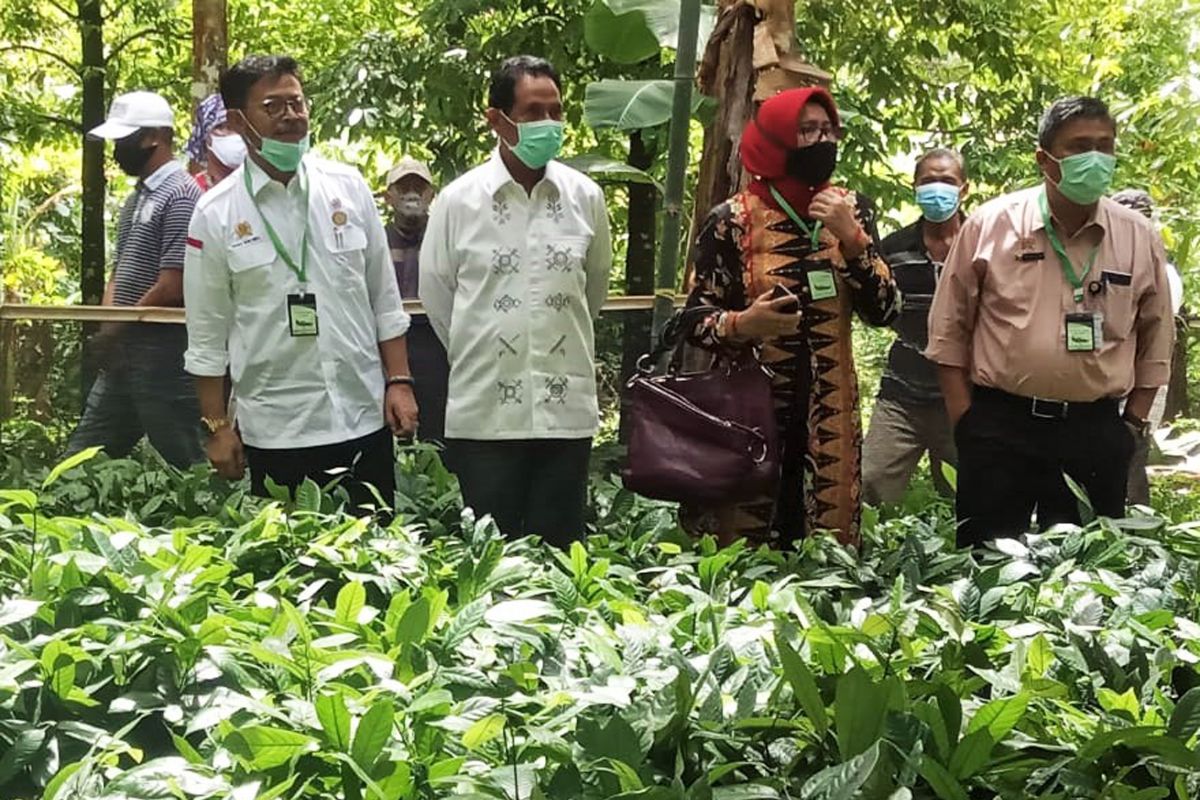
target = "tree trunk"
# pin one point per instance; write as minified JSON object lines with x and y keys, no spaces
{"x":1178,"y":404}
{"x":91,"y":275}
{"x":210,"y":48}
{"x":639,"y":262}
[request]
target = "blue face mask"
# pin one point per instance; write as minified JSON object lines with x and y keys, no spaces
{"x":938,"y":201}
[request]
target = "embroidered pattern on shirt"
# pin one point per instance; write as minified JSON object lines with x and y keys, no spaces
{"x":560,"y":301}
{"x":554,"y":210}
{"x":558,"y":349}
{"x":510,"y":392}
{"x":506,"y":303}
{"x":559,"y":258}
{"x":508,"y":346}
{"x":500,"y":212}
{"x":556,"y":389}
{"x":506,"y":261}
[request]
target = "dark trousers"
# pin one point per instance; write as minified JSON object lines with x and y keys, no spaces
{"x":431,"y":372}
{"x":529,"y":486}
{"x":368,"y":462}
{"x":1011,"y":462}
{"x":142,"y":390}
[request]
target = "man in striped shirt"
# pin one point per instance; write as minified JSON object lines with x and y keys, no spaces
{"x":142,"y":388}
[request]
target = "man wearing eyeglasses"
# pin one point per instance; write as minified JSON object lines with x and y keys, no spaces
{"x":290,"y":285}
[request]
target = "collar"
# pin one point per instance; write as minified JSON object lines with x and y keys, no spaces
{"x":496,"y":176}
{"x":1098,"y":218}
{"x":156,"y":178}
{"x":259,"y":179}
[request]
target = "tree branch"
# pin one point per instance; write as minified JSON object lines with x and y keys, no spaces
{"x":62,"y":10}
{"x":73,"y":67}
{"x":128,"y":40}
{"x":70,"y":123}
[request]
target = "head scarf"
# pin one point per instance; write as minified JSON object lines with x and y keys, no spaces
{"x":770,"y":135}
{"x":209,"y":114}
{"x":1137,"y":200}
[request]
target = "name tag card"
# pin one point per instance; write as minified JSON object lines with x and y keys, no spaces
{"x":302,"y":314}
{"x":821,"y":284}
{"x":1084,"y":331}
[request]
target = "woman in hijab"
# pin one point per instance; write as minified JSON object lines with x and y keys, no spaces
{"x":213,"y":149}
{"x":784,"y":264}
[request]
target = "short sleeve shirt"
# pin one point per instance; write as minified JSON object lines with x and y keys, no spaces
{"x":152,"y":231}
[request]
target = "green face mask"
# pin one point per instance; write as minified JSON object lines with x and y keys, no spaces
{"x":537,"y":142}
{"x":283,"y":156}
{"x":1086,"y":176}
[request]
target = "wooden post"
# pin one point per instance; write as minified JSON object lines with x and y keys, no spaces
{"x":8,"y":367}
{"x":639,"y":262}
{"x":210,"y":46}
{"x":92,"y":267}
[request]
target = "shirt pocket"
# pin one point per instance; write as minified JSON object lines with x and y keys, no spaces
{"x":250,"y":256}
{"x":347,"y":244}
{"x":1118,"y":307}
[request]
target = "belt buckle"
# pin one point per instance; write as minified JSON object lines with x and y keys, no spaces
{"x":1060,"y":407}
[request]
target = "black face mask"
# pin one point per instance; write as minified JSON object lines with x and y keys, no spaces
{"x":814,"y":164}
{"x":130,"y":156}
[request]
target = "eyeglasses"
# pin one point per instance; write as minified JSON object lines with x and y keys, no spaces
{"x":276,"y":108}
{"x":813,"y":132}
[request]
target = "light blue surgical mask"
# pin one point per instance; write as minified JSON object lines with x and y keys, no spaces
{"x":938,"y":201}
{"x":537,"y":142}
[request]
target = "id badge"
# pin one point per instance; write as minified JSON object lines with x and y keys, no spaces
{"x":1082,"y":332}
{"x":302,"y":314}
{"x":821,"y":284}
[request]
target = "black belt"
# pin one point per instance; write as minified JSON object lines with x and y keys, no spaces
{"x":1044,"y":408}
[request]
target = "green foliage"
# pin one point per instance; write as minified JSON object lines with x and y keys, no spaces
{"x":234,"y":648}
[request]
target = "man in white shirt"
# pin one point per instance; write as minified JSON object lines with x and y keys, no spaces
{"x":289,"y":284}
{"x":514,"y":269}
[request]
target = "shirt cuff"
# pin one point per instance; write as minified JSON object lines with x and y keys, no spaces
{"x":206,"y":363}
{"x":1151,"y":374}
{"x":948,"y":354}
{"x":391,"y":324}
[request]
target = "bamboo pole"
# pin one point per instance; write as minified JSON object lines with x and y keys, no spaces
{"x":667,"y":280}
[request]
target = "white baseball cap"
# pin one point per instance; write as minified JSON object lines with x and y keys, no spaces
{"x":133,"y":111}
{"x":409,"y":166}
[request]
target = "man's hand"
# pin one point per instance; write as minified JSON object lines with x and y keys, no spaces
{"x":400,"y":410}
{"x":224,"y":451}
{"x":768,"y":318}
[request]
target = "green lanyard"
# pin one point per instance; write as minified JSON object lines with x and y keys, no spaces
{"x":813,"y":233}
{"x":302,"y":270}
{"x":1073,"y":278}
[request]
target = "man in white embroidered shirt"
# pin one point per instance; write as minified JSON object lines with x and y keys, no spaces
{"x":289,"y":284}
{"x":514,"y":269}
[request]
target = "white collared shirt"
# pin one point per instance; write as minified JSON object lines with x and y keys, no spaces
{"x":293,"y":391}
{"x":511,"y":283}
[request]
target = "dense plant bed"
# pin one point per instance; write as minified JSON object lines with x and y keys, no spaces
{"x":162,"y":637}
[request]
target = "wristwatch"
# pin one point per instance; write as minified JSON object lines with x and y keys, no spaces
{"x":211,"y":425}
{"x":1139,"y":426}
{"x":405,"y":380}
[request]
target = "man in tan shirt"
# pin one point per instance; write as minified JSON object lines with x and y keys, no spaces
{"x":1052,"y":306}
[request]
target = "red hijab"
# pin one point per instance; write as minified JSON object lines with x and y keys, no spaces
{"x":768,"y":137}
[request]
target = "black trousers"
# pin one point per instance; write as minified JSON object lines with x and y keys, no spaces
{"x":529,"y":486}
{"x":369,"y":459}
{"x":1011,"y":462}
{"x":431,"y":370}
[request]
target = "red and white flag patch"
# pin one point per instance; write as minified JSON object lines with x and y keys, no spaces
{"x":196,"y":243}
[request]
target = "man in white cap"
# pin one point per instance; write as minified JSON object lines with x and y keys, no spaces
{"x":409,"y":193}
{"x":142,"y":388}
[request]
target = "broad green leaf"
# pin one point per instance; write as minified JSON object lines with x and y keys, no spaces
{"x":662,"y":18}
{"x":945,"y":785}
{"x":414,"y":624}
{"x":70,"y":463}
{"x":519,"y":611}
{"x":266,"y":747}
{"x":20,"y":754}
{"x":350,"y":600}
{"x":18,"y":609}
{"x":860,"y":708}
{"x":164,"y":777}
{"x":1040,"y":656}
{"x":21,"y":497}
{"x":59,"y":781}
{"x":374,"y":731}
{"x":745,"y":791}
{"x":186,"y":750}
{"x":972,"y":753}
{"x":803,"y":686}
{"x":483,"y":731}
{"x":334,"y":719}
{"x":631,"y":105}
{"x":1126,"y":701}
{"x":623,"y":39}
{"x":603,"y":169}
{"x":999,"y":716}
{"x":841,"y":781}
{"x":1185,"y":719}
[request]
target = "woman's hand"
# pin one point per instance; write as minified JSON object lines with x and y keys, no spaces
{"x":769,"y":317}
{"x":836,"y":212}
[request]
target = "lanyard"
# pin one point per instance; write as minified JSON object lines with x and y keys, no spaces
{"x":302,"y":270}
{"x":813,"y":233}
{"x":1073,"y":278}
